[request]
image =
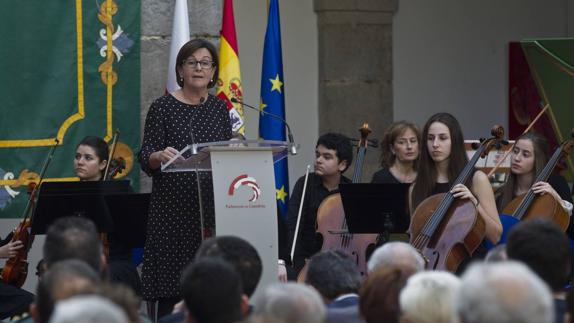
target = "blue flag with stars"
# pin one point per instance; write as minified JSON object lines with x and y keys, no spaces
{"x":273,"y":101}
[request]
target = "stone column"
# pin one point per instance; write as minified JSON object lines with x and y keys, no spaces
{"x":355,"y":68}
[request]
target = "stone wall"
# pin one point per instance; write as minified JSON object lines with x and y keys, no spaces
{"x":355,"y":68}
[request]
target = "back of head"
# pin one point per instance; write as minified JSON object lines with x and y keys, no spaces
{"x":379,"y":295}
{"x":291,"y":302}
{"x":543,"y":247}
{"x":63,"y":280}
{"x":340,"y":144}
{"x":428,"y":297}
{"x":88,"y":309}
{"x":332,"y":273}
{"x":503,"y":292}
{"x":212,"y":291}
{"x":73,"y":238}
{"x":398,"y":254}
{"x":122,"y":296}
{"x":240,"y":253}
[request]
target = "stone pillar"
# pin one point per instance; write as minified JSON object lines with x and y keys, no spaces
{"x":156,"y":25}
{"x":355,"y":68}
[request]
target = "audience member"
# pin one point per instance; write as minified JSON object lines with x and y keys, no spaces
{"x":379,"y":295}
{"x":503,"y":292}
{"x":336,"y":277}
{"x":88,"y":309}
{"x":63,"y":280}
{"x":497,"y":254}
{"x":212,"y":292}
{"x":290,"y":302}
{"x":544,"y":248}
{"x":239,"y":253}
{"x":74,"y":238}
{"x":428,"y":297}
{"x":396,"y":253}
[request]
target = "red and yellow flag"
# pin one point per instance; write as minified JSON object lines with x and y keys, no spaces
{"x":229,"y":82}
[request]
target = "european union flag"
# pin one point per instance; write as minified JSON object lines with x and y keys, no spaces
{"x":273,"y":101}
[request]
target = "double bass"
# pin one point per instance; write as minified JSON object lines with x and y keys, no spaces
{"x":15,"y":270}
{"x":531,"y":206}
{"x":332,"y":224}
{"x":447,"y":230}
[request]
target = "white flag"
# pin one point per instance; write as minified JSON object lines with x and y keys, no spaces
{"x":179,"y":36}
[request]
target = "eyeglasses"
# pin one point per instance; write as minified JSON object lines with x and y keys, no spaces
{"x":191,"y":63}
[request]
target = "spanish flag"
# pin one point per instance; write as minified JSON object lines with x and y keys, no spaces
{"x":229,"y":82}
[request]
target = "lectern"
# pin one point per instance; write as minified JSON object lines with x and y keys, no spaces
{"x":244,"y":191}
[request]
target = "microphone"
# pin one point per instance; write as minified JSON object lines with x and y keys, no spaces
{"x":292,"y":147}
{"x":193,"y":145}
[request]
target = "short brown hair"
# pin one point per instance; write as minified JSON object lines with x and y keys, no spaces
{"x":188,"y":49}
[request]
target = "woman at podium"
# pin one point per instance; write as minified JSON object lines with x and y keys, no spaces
{"x":90,"y":162}
{"x":186,"y":116}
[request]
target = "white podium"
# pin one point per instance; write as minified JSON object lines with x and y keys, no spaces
{"x":244,"y":191}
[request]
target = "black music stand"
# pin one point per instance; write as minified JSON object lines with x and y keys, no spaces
{"x":84,"y":199}
{"x":376,"y":208}
{"x":129,"y":213}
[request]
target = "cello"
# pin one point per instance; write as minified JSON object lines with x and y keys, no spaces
{"x":447,"y":230}
{"x":531,"y":206}
{"x":15,"y":270}
{"x":332,"y":224}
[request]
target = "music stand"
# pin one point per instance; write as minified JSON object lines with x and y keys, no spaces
{"x":84,"y":199}
{"x":129,"y":214}
{"x":376,"y":208}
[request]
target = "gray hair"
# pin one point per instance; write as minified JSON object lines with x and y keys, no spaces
{"x":88,"y":309}
{"x":503,"y":292}
{"x":291,"y":302}
{"x":396,"y":253}
{"x":428,"y":297}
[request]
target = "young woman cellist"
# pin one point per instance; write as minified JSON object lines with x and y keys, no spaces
{"x":442,"y":158}
{"x":529,"y":157}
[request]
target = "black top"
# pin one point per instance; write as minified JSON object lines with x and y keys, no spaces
{"x":384,"y":176}
{"x":307,"y":241}
{"x":173,"y":231}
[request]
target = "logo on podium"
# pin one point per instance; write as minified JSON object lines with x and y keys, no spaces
{"x":245,"y":180}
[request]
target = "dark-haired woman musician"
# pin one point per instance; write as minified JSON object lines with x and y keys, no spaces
{"x":529,"y":156}
{"x":90,"y":162}
{"x":442,"y":158}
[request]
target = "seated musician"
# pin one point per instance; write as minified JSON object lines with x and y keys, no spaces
{"x":442,"y":159}
{"x":399,"y":154}
{"x":13,"y":300}
{"x":89,"y":165}
{"x":529,"y":156}
{"x":333,"y":155}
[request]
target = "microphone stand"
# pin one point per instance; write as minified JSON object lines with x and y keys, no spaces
{"x":292,"y":146}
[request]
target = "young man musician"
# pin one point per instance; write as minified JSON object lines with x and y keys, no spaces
{"x":333,"y":155}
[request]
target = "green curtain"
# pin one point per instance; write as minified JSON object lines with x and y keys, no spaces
{"x":59,"y":78}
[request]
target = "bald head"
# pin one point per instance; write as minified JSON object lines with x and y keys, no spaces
{"x":399,"y":254}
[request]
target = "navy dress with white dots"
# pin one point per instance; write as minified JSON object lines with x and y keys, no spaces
{"x":173,"y":231}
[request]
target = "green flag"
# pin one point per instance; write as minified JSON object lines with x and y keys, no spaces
{"x":551,"y":63}
{"x":68,"y":69}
